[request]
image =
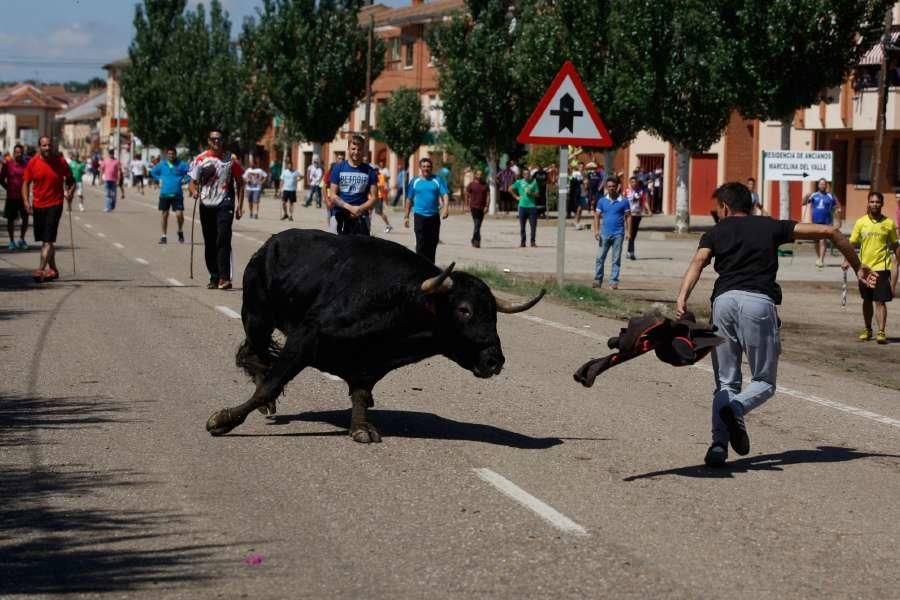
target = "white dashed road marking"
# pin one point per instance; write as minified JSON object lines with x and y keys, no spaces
{"x":88,"y":225}
{"x":228,"y":312}
{"x":118,"y":245}
{"x":142,"y":261}
{"x":174,"y":282}
{"x":99,"y":234}
{"x":561,"y":327}
{"x":543,"y":510}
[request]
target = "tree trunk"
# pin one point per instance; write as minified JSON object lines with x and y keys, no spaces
{"x":875,"y":176}
{"x":682,"y":181}
{"x":492,"y":182}
{"x":784,"y":193}
{"x":609,"y":162}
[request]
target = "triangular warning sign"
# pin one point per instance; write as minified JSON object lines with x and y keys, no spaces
{"x":565,"y":115}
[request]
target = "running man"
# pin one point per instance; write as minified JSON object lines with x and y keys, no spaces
{"x":745,"y":248}
{"x":254,"y":178}
{"x":353,"y":185}
{"x":382,"y":192}
{"x":429,"y":200}
{"x":823,"y":206}
{"x":639,"y":205}
{"x":289,"y":179}
{"x":49,"y":177}
{"x":77,"y":168}
{"x":11,"y":177}
{"x":876,"y":237}
{"x":112,"y":178}
{"x":138,"y":170}
{"x":216,"y":179}
{"x":171,"y":175}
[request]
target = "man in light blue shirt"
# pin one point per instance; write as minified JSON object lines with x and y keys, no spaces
{"x":616,"y":214}
{"x":429,"y":200}
{"x":171,"y":174}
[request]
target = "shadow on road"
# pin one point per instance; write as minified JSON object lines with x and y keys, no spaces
{"x":60,"y":529}
{"x":767,"y":462}
{"x":420,"y":425}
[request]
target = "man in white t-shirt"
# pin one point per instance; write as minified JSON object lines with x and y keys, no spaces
{"x":138,"y":170}
{"x":254,"y":177}
{"x":289,"y":179}
{"x":314,"y":183}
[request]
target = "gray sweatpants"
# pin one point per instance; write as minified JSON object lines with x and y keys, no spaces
{"x":749,"y":324}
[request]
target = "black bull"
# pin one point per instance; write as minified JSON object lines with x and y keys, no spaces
{"x":357,"y":307}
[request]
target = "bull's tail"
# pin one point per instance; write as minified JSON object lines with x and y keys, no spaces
{"x":255,"y":361}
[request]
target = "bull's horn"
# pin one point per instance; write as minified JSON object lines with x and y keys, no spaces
{"x":508,"y":307}
{"x":441,"y":283}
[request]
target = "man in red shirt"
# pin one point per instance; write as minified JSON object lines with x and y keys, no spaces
{"x":49,"y":176}
{"x":477,"y":193}
{"x":11,"y":172}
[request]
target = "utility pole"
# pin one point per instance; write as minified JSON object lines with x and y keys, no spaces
{"x":367,"y":123}
{"x":886,"y":47}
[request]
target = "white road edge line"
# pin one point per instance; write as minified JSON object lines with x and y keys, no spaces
{"x":118,"y":245}
{"x":88,"y":225}
{"x":100,"y":234}
{"x":543,"y":510}
{"x":228,"y":312}
{"x":142,"y":261}
{"x":174,"y":282}
{"x":853,"y":410}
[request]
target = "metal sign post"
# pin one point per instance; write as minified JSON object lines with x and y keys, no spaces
{"x":562,"y":184}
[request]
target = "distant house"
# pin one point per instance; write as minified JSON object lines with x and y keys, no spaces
{"x":27,"y":112}
{"x":80,"y":125}
{"x":114,"y":131}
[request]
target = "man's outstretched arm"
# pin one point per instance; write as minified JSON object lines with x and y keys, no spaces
{"x":691,"y":277}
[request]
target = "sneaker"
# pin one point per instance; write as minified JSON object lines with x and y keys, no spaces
{"x":213,"y":284}
{"x":291,"y":218}
{"x":597,"y":284}
{"x":39,"y":276}
{"x":11,"y":246}
{"x":865,"y":335}
{"x":224,"y":284}
{"x":522,"y":245}
{"x":737,"y":431}
{"x":180,"y":237}
{"x":614,"y":286}
{"x":881,"y":338}
{"x":284,"y":217}
{"x":162,"y":239}
{"x":81,"y":207}
{"x":22,"y":244}
{"x":716,"y":455}
{"x":631,"y":256}
{"x":51,"y":273}
{"x":388,"y":229}
{"x":579,"y":227}
{"x":533,"y":245}
{"x":820,"y":264}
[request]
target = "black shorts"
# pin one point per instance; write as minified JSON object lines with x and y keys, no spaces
{"x":882,"y":290}
{"x":287,"y":196}
{"x":46,"y":222}
{"x":137,"y":179}
{"x":167,"y":203}
{"x":14,"y":209}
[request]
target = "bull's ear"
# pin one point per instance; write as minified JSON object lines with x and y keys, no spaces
{"x":439,"y":284}
{"x":509,"y":308}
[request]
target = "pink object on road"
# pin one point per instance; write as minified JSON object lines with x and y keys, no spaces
{"x":254,"y":559}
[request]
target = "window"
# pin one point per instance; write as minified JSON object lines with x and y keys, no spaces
{"x":410,"y":52}
{"x":394,"y":49}
{"x":862,"y":171}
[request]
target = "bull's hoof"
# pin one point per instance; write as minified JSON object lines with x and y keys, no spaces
{"x":268,"y":409}
{"x":221,"y":422}
{"x":365,"y":433}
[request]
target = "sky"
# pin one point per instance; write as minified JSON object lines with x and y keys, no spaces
{"x":71,"y":40}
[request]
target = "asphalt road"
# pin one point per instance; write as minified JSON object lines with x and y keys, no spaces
{"x":523,"y":485}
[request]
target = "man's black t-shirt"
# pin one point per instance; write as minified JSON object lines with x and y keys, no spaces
{"x":746,"y":254}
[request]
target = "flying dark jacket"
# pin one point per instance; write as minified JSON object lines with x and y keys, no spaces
{"x":678,"y":343}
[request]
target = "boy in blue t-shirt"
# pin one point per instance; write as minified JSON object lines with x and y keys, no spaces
{"x":822,"y":206}
{"x":429,"y":200}
{"x":353,"y":190}
{"x":171,"y":174}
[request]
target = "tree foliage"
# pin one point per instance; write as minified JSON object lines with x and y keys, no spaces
{"x":186,"y":76}
{"x":312,"y":62}
{"x":401,"y":122}
{"x":790,"y":50}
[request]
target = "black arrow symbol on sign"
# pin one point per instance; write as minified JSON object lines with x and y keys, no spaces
{"x":804,"y":175}
{"x":567,"y":113}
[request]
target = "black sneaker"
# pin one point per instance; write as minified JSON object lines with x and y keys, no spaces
{"x":162,"y":240}
{"x":213,"y":284}
{"x":180,"y":237}
{"x":716,"y":455}
{"x":737,"y":431}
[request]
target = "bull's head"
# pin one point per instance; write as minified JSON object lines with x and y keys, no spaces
{"x":467,"y":320}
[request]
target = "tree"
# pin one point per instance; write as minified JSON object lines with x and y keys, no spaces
{"x":692,"y":57}
{"x":252,"y":103}
{"x":402,"y":124}
{"x":312,"y":63}
{"x":483,"y":101}
{"x":790,"y":50}
{"x":151,"y":81}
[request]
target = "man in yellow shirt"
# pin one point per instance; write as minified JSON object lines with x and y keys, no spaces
{"x":876,"y":237}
